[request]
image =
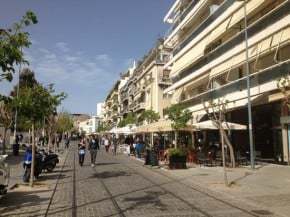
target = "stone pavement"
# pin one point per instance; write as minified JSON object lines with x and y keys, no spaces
{"x":120,"y":186}
{"x":267,"y":186}
{"x":23,"y":200}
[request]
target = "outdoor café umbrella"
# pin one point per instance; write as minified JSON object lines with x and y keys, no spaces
{"x":210,"y":125}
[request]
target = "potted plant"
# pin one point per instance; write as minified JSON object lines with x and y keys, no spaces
{"x":177,"y":158}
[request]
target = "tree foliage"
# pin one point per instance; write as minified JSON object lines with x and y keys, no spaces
{"x":38,"y":102}
{"x":149,"y":116}
{"x":12,"y":41}
{"x":64,"y":122}
{"x":129,"y":119}
{"x":103,"y":127}
{"x":26,"y":79}
{"x":6,"y":114}
{"x":179,"y":116}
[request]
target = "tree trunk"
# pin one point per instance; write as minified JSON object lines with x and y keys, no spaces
{"x":33,"y":158}
{"x":229,"y":144}
{"x":4,"y":141}
{"x":224,"y":158}
{"x":49,"y":140}
{"x":175,"y":138}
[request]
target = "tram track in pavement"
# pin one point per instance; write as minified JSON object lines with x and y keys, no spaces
{"x":111,"y":197}
{"x":74,"y":204}
{"x":191,"y":187}
{"x":56,"y":185}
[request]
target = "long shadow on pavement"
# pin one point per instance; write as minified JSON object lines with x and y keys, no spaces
{"x":109,"y":174}
{"x":14,"y":201}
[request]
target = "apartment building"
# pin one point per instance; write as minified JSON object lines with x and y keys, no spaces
{"x":112,"y":106}
{"x":208,"y":62}
{"x":146,"y":82}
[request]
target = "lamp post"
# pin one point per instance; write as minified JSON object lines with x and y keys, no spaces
{"x":250,"y":124}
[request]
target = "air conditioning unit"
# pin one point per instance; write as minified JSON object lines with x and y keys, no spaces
{"x":213,"y":8}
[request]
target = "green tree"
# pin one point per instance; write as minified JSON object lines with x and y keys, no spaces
{"x":179,"y":117}
{"x":149,"y":116}
{"x":12,"y":41}
{"x":129,"y":119}
{"x":36,"y":104}
{"x":64,"y":122}
{"x":6,"y":114}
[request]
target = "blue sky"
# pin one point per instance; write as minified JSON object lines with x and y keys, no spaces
{"x":83,"y":46}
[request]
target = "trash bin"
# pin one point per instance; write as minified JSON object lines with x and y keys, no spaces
{"x":15,"y":148}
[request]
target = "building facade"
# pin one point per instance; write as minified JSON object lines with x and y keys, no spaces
{"x":209,"y":62}
{"x":146,"y":82}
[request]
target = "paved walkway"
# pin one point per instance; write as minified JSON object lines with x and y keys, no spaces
{"x":267,"y":186}
{"x":119,"y":186}
{"x":24,"y":201}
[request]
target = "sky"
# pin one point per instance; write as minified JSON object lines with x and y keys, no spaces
{"x":83,"y":46}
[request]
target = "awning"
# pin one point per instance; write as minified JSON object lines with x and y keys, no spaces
{"x":124,"y":130}
{"x":210,"y":125}
{"x":160,"y":126}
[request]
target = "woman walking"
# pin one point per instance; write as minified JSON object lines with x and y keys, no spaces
{"x":82,"y":152}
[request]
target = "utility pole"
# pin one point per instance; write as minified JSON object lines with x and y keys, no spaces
{"x":250,"y":125}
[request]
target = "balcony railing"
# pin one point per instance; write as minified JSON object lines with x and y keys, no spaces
{"x":181,"y":16}
{"x":253,"y":29}
{"x":164,"y":79}
{"x":139,"y":106}
{"x":267,"y":75}
{"x":208,"y":21}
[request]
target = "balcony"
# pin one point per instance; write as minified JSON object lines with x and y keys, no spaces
{"x":124,"y":95}
{"x":179,"y":16}
{"x":259,"y":78}
{"x":207,"y":22}
{"x":139,"y":106}
{"x":253,"y":29}
{"x":124,"y":110}
{"x":164,"y":79}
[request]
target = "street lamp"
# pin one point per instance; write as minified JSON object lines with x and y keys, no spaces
{"x":250,"y":124}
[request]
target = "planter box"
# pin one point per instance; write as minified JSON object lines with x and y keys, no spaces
{"x":177,"y":162}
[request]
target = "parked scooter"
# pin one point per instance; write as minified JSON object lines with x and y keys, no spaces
{"x":4,"y":175}
{"x":49,"y":160}
{"x":27,"y":165}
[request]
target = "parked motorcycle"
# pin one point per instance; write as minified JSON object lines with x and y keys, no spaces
{"x":49,"y":160}
{"x":27,"y":165}
{"x":4,"y":175}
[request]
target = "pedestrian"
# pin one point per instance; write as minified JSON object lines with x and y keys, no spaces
{"x":57,"y":142}
{"x":115,"y":144}
{"x":66,"y":142}
{"x":94,"y":147}
{"x":82,"y":152}
{"x":107,"y":144}
{"x":1,"y":141}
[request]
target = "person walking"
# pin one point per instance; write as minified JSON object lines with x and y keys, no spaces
{"x":115,"y":144}
{"x":66,"y":142}
{"x":1,"y":143}
{"x":82,"y":152}
{"x":107,"y":144}
{"x":94,"y":147}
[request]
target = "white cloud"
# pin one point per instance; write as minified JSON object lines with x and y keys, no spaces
{"x":69,"y":58}
{"x":62,"y":46}
{"x":104,"y":59}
